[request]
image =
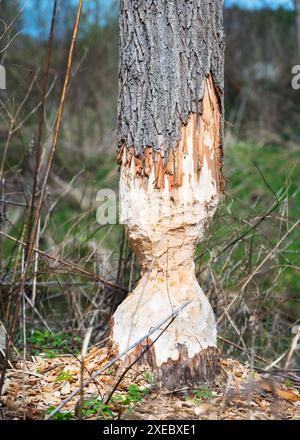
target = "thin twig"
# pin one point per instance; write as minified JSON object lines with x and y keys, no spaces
{"x":72,"y":266}
{"x":114,"y":360}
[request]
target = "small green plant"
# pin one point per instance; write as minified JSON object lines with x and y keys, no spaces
{"x":96,"y":406}
{"x":289,"y":384}
{"x":60,"y":415}
{"x":148,"y":376}
{"x":202,"y":393}
{"x":64,"y":375}
{"x":49,"y":354}
{"x":133,"y":395}
{"x":52,"y":344}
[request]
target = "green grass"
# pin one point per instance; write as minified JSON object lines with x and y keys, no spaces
{"x":258,"y":177}
{"x":64,"y":376}
{"x":52,"y":344}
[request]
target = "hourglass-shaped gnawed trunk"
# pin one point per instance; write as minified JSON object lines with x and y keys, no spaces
{"x":170,"y":132}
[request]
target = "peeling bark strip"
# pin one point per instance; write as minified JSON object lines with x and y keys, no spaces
{"x":206,"y":128}
{"x":167,"y":49}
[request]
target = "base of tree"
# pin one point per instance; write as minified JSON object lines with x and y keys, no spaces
{"x":184,"y":351}
{"x":203,"y":368}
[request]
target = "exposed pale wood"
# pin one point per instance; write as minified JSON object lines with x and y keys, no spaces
{"x":170,"y":135}
{"x":207,"y":144}
{"x":165,"y":211}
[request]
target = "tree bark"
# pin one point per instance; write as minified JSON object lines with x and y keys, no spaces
{"x":170,"y":135}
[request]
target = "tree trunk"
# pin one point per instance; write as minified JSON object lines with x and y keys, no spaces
{"x":170,"y":134}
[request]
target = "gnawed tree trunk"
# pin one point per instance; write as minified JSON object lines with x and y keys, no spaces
{"x":170,"y":136}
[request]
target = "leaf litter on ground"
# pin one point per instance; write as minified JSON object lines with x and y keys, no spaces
{"x":34,"y":389}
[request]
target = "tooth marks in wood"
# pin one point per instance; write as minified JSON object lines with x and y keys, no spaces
{"x":205,"y":127}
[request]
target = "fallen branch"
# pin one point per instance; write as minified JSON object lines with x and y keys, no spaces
{"x":72,"y":266}
{"x":29,"y":373}
{"x":143,"y":352}
{"x":242,"y":349}
{"x":114,"y":360}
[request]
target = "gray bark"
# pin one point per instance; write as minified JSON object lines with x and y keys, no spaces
{"x":166,"y":50}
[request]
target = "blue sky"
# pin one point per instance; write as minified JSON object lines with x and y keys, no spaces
{"x":30,"y":12}
{"x":255,"y":4}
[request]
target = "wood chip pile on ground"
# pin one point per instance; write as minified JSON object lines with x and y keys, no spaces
{"x":32,"y":389}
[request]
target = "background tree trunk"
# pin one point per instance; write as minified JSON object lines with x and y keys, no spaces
{"x":170,"y":133}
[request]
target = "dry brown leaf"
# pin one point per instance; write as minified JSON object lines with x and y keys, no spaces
{"x":204,"y":408}
{"x":6,"y":385}
{"x":66,"y":389}
{"x":46,"y":391}
{"x":279,"y":392}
